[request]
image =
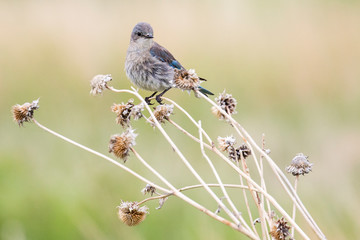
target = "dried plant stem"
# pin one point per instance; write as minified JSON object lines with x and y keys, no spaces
{"x":262,"y":211}
{"x":178,"y":194}
{"x":256,"y":199}
{"x":190,"y":188}
{"x":102,"y":156}
{"x":190,"y":117}
{"x":188,"y":134}
{"x":280,"y":175}
{"x":247,"y":202}
{"x":270,"y":161}
{"x":294,"y":207}
{"x":185,"y":161}
{"x":263,"y":185}
{"x":268,"y":197}
{"x":213,"y":169}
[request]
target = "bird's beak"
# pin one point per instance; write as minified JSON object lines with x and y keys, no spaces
{"x":148,"y":36}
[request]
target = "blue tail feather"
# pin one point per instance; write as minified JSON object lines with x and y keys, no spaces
{"x":204,"y":91}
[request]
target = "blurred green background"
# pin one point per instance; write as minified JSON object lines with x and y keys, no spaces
{"x":293,"y":66}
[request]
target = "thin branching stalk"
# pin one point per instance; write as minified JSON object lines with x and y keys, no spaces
{"x":182,"y":157}
{"x":192,"y":187}
{"x":256,"y":199}
{"x":268,"y":197}
{"x":175,"y":190}
{"x":175,"y":193}
{"x":247,"y":202}
{"x":294,"y":206}
{"x":259,"y":192}
{"x":263,"y":184}
{"x":280,"y":175}
{"x":213,"y":169}
{"x":102,"y":156}
{"x":213,"y":148}
{"x":188,"y":134}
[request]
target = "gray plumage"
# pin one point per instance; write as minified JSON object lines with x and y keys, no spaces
{"x":149,"y":65}
{"x":144,"y":70}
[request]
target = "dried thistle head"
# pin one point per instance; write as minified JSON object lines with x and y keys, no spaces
{"x":300,"y":165}
{"x":242,"y":152}
{"x":280,"y":230}
{"x":148,"y":189}
{"x":123,"y":112}
{"x":24,"y":113}
{"x":227,"y":103}
{"x":131,"y":213}
{"x":121,"y":144}
{"x":136,"y":111}
{"x":186,"y":79}
{"x":162,"y":113}
{"x":226,"y":143}
{"x":98,"y":83}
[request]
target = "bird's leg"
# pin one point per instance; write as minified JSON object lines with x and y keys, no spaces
{"x":148,"y":100}
{"x":158,"y":97}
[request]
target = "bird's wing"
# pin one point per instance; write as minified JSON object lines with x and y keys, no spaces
{"x":164,"y":55}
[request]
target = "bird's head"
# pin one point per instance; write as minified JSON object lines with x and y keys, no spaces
{"x":142,"y":32}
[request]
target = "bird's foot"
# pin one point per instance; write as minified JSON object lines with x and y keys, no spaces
{"x":148,"y":100}
{"x":158,"y":99}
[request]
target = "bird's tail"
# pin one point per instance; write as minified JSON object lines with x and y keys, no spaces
{"x":204,"y":91}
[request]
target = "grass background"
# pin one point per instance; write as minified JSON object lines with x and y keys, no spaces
{"x":293,"y":66}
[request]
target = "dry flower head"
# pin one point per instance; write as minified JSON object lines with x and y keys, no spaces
{"x":120,"y":145}
{"x":280,"y":230}
{"x":131,"y":213}
{"x":148,"y":189}
{"x":123,"y":112}
{"x":242,"y":152}
{"x":300,"y":165}
{"x":186,"y":79}
{"x":227,"y":103}
{"x":98,"y":83}
{"x":226,"y":143}
{"x":162,"y":113}
{"x":24,"y":113}
{"x":136,"y":111}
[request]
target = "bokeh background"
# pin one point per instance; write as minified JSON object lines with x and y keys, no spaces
{"x":293,"y":66}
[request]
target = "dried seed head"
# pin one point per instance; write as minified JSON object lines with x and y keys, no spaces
{"x":226,"y":143}
{"x":300,"y":165}
{"x":280,"y":230}
{"x":162,"y":113}
{"x":120,"y":144}
{"x":148,"y":189}
{"x":244,"y":150}
{"x":98,"y":83}
{"x":123,"y":112}
{"x":241,"y":152}
{"x":186,"y":79}
{"x":136,"y":111}
{"x":131,"y":213}
{"x":24,"y":113}
{"x":227,"y":103}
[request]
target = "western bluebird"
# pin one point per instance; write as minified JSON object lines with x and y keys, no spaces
{"x":149,"y":65}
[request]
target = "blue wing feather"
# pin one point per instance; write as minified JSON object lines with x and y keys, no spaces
{"x":164,"y":55}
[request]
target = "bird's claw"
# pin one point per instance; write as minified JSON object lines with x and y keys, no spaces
{"x":148,"y":101}
{"x":158,"y":99}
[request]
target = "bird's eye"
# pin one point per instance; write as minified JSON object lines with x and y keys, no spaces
{"x":138,"y":33}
